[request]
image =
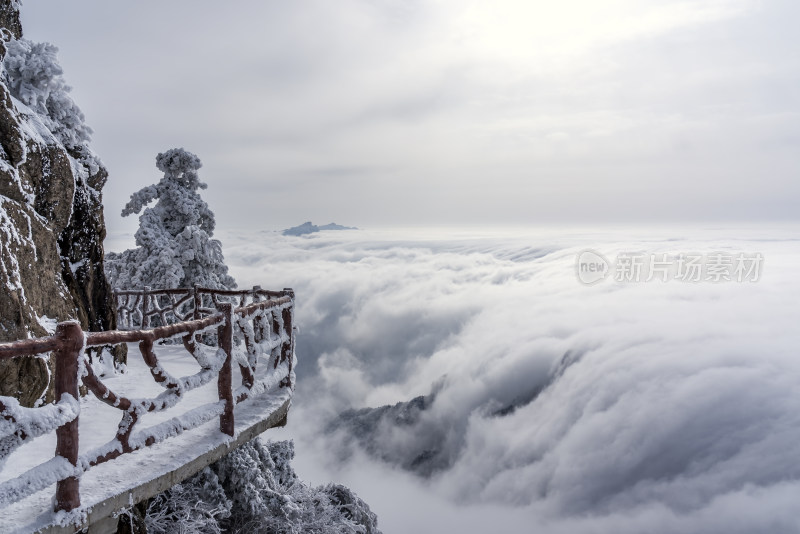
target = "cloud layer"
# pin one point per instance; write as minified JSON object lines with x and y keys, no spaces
{"x":658,"y":406}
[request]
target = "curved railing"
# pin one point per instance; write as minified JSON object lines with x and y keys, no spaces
{"x":246,"y":334}
{"x":141,"y":308}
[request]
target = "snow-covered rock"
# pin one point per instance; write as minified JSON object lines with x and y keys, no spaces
{"x":51,"y":213}
{"x":374,"y":430}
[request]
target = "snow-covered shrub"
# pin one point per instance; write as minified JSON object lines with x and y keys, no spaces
{"x":255,"y":490}
{"x":196,"y":507}
{"x":35,"y":78}
{"x":175,"y":248}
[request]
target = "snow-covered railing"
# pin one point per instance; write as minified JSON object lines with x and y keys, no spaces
{"x":246,"y":335}
{"x":142,"y":308}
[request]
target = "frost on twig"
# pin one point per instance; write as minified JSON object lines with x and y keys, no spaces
{"x":255,"y":490}
{"x":36,"y":79}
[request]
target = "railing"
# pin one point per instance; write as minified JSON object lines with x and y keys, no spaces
{"x":246,"y":334}
{"x":137,"y":308}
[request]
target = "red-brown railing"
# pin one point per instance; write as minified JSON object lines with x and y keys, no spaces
{"x":246,"y":333}
{"x":137,"y":308}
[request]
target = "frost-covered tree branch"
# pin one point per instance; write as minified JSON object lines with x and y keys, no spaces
{"x":255,"y":490}
{"x":140,"y":199}
{"x":36,"y":79}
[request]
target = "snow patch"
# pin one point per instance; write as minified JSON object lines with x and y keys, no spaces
{"x":48,"y":323}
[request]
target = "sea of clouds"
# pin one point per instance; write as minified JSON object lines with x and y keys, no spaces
{"x":557,"y":406}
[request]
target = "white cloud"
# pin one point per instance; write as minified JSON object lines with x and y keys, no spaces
{"x":660,"y":407}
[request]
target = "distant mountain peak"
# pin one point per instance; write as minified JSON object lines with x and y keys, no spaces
{"x":309,"y":228}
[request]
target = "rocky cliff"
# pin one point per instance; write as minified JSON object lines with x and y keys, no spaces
{"x":51,"y":215}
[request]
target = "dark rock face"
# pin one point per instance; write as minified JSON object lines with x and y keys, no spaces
{"x":9,"y":18}
{"x":51,"y":234}
{"x":413,"y":436}
{"x":81,"y":247}
{"x":373,"y":429}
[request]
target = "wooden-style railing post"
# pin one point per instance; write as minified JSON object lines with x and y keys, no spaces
{"x":120,"y":320}
{"x":198,"y":301}
{"x":275,"y":329}
{"x":67,"y":356}
{"x":145,"y":308}
{"x":225,"y":379}
{"x":287,"y":349}
{"x":258,"y":322}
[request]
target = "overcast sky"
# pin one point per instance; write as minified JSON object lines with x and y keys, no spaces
{"x":380,"y":112}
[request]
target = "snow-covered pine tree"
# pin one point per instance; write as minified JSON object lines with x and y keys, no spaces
{"x":175,"y":248}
